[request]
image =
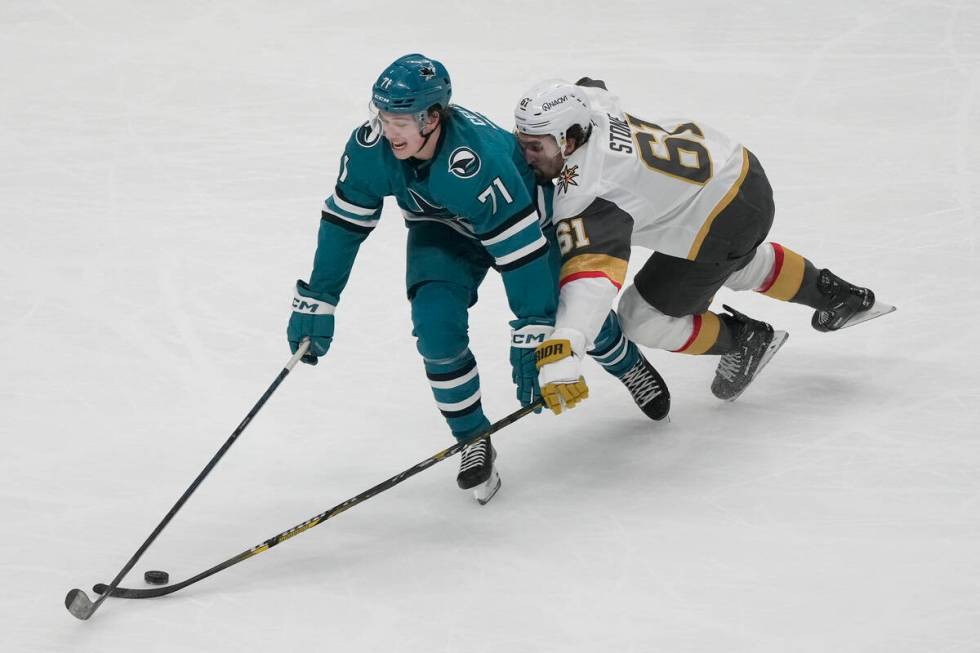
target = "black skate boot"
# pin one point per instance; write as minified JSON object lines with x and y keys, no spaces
{"x":648,"y":388}
{"x":847,"y":304}
{"x":477,"y":471}
{"x":755,"y":343}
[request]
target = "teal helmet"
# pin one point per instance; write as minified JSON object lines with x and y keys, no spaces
{"x":412,"y":84}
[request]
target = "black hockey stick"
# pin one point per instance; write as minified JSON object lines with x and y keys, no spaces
{"x":128,"y":593}
{"x":77,"y":601}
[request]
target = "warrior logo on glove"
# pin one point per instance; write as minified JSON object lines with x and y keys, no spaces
{"x":552,"y":351}
{"x":562,"y":386}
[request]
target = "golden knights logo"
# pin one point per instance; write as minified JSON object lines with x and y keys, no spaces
{"x":566,"y":178}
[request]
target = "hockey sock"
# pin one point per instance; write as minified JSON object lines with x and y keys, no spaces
{"x":793,"y":278}
{"x":711,"y":334}
{"x":456,"y":387}
{"x":612,"y":350}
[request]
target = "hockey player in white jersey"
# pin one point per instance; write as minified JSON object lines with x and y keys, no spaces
{"x":698,"y":198}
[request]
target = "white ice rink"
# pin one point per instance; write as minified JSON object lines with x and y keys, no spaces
{"x":162,"y":166}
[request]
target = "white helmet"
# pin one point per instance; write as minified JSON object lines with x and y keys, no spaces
{"x":552,"y":107}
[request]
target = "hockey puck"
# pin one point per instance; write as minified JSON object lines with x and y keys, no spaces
{"x":154,"y":577}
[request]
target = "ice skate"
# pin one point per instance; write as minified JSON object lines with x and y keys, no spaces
{"x":477,"y":471}
{"x":756,"y":343}
{"x":648,"y":389}
{"x":847,"y":304}
{"x":486,"y":490}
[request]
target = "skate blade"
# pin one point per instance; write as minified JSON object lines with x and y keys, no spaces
{"x":778,"y":339}
{"x":486,"y":491}
{"x":879,"y":309}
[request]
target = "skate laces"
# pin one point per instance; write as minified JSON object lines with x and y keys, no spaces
{"x":641,"y":384}
{"x":730,"y":366}
{"x":474,"y":455}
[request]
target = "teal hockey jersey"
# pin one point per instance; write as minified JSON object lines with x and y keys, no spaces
{"x":477,"y":183}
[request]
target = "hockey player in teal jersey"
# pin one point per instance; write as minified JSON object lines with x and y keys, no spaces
{"x":467,"y":197}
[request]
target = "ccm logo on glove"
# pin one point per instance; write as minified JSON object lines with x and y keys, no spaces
{"x":302,"y":305}
{"x":530,"y":336}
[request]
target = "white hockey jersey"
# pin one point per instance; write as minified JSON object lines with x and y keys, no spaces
{"x":656,"y":185}
{"x":671,"y":177}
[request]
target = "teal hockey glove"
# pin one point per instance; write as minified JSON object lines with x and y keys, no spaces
{"x":312,"y":318}
{"x":525,"y":336}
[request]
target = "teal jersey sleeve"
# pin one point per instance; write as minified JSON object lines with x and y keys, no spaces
{"x":351,"y":212}
{"x":362,"y":183}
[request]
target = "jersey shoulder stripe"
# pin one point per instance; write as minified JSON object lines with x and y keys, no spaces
{"x":586,"y":266}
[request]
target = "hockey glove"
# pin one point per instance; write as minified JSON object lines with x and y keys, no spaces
{"x":559,"y":360}
{"x":524,"y":337}
{"x":312,"y":318}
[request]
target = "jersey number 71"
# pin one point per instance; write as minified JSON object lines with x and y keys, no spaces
{"x":491,"y":194}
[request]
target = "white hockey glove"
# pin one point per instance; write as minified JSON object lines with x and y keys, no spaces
{"x":559,"y":361}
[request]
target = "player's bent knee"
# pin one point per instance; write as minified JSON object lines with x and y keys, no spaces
{"x":439,"y":320}
{"x":645,"y":325}
{"x":754,"y":275}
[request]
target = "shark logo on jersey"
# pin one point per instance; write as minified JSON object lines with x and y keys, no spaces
{"x":566,"y":178}
{"x":464,"y":163}
{"x":425,"y":207}
{"x":367,"y":135}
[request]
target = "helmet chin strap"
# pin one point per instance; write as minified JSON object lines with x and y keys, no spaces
{"x":425,"y":137}
{"x":425,"y":141}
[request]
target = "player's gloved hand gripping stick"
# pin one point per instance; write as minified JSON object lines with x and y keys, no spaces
{"x":525,"y":335}
{"x":312,"y":319}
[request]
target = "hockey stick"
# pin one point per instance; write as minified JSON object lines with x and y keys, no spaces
{"x":77,"y":601}
{"x":128,"y":593}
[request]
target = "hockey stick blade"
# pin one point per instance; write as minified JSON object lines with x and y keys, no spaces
{"x":100,"y":588}
{"x":76,"y":601}
{"x":153,"y":592}
{"x":79,"y":605}
{"x":127,"y":593}
{"x":132,"y":593}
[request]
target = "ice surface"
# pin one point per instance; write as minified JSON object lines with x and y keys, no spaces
{"x":161,"y":174}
